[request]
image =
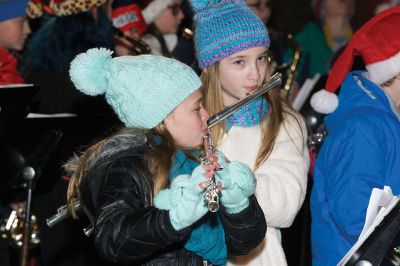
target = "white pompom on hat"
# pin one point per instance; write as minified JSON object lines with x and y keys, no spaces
{"x":378,"y":43}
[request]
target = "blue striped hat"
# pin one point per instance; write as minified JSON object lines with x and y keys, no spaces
{"x":225,"y":27}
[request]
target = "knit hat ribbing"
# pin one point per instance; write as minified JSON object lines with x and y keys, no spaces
{"x":225,"y":27}
{"x":142,"y":90}
{"x":12,"y":8}
{"x":378,"y":43}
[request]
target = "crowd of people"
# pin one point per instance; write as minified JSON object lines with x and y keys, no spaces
{"x":144,"y":183}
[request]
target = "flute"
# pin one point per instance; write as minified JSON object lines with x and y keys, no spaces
{"x":62,"y":213}
{"x":211,"y":197}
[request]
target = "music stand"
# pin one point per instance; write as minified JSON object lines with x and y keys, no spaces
{"x":374,"y":248}
{"x":15,"y":103}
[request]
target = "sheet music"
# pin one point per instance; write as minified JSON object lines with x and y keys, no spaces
{"x":304,"y":92}
{"x":15,"y":85}
{"x":380,"y":204}
{"x":37,"y":115}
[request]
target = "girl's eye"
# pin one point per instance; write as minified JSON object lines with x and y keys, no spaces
{"x":263,"y":58}
{"x":238,"y":62}
{"x":198,"y":108}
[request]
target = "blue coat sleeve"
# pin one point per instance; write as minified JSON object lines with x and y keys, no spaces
{"x":356,"y":166}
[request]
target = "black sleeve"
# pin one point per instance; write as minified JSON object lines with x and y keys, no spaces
{"x":127,"y":229}
{"x":244,"y":230}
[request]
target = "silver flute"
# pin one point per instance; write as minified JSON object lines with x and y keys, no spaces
{"x":212,"y":194}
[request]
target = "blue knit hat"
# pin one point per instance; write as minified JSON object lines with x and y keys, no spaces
{"x":12,"y":8}
{"x":225,"y":27}
{"x":142,"y":90}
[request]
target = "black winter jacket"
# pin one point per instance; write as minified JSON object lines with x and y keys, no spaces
{"x":116,"y":194}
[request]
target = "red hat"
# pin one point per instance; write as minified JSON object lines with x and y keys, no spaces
{"x":378,"y":43}
{"x":127,"y":17}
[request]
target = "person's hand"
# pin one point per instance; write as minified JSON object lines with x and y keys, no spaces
{"x":185,"y":197}
{"x":238,"y":184}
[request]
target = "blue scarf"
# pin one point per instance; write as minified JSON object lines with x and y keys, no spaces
{"x":207,"y":238}
{"x":249,"y":114}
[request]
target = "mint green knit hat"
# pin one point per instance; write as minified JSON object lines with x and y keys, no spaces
{"x":142,"y":90}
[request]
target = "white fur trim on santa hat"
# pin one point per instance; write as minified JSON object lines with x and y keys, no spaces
{"x":324,"y":102}
{"x":382,"y":71}
{"x":154,"y":9}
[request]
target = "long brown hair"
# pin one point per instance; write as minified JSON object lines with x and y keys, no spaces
{"x":278,"y":108}
{"x":157,"y":160}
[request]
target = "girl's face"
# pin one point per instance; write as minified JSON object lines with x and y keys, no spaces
{"x":13,"y":33}
{"x":168,"y":21}
{"x":187,"y":123}
{"x":334,"y":8}
{"x":242,"y":73}
{"x":262,"y":8}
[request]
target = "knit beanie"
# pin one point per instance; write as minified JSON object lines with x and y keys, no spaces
{"x":142,"y":89}
{"x":225,"y":27}
{"x":153,"y":8}
{"x":10,"y":9}
{"x":60,"y":8}
{"x":378,"y":43}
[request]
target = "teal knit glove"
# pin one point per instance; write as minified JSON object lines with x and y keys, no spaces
{"x":238,"y":184}
{"x":184,"y":199}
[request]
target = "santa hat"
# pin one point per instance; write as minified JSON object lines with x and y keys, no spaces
{"x":378,"y":43}
{"x":153,"y":8}
{"x":385,"y":5}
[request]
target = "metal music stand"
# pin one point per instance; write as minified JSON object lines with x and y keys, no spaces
{"x":15,"y":103}
{"x":374,"y":249}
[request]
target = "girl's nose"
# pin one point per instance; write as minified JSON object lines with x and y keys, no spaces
{"x":254,"y":74}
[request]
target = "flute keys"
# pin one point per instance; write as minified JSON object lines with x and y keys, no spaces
{"x":211,"y":197}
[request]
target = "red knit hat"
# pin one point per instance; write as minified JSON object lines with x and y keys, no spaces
{"x":127,"y":15}
{"x":378,"y":43}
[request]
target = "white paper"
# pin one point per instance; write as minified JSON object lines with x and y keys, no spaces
{"x":304,"y":92}
{"x":380,"y":204}
{"x":37,"y":115}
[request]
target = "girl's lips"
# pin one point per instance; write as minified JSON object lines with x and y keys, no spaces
{"x":250,"y":89}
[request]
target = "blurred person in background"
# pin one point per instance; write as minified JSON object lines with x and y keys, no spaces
{"x":362,"y":149}
{"x":14,"y":31}
{"x":326,"y":34}
{"x":130,"y":25}
{"x":163,"y":18}
{"x":67,"y":28}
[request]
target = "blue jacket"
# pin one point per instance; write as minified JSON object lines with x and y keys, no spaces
{"x":361,"y":152}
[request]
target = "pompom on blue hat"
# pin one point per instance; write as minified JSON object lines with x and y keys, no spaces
{"x":142,"y":90}
{"x":10,"y":9}
{"x":225,"y":27}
